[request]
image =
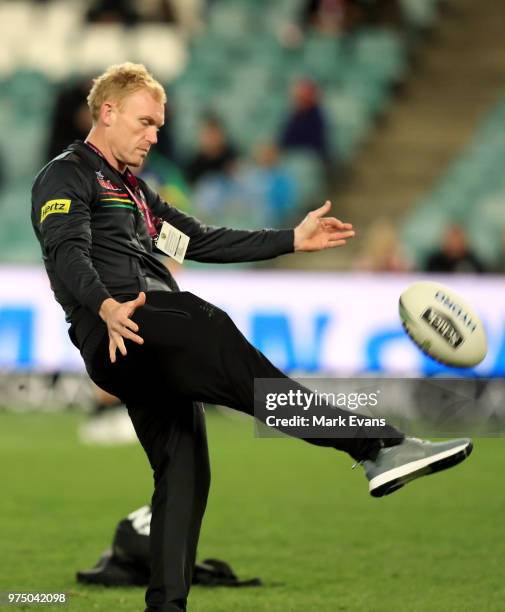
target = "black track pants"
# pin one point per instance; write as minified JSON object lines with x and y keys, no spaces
{"x":192,"y":353}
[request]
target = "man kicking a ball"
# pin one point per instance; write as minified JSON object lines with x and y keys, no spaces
{"x":96,"y":224}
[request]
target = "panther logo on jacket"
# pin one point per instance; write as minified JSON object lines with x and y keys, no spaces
{"x":106,"y":184}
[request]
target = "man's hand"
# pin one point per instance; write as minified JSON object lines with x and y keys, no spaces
{"x":317,"y":232}
{"x":119,"y":325}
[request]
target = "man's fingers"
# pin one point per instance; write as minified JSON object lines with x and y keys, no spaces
{"x":126,"y":329}
{"x":112,"y":350}
{"x":335,"y":223}
{"x":319,"y":212}
{"x":131,"y":325}
{"x":336,"y":243}
{"x":126,"y":333}
{"x":140,"y":300}
{"x":118,"y":339}
{"x":340,"y":235}
{"x":121,"y":327}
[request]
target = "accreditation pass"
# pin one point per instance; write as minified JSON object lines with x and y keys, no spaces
{"x":173,"y":242}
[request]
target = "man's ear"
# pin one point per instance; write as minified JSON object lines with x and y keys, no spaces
{"x":107,"y":113}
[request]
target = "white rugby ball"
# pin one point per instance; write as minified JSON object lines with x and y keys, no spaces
{"x":443,"y":325}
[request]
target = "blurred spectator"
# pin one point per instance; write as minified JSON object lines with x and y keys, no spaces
{"x":258,"y":193}
{"x":326,"y":16}
{"x":215,"y":154}
{"x":112,"y":11}
{"x":341,"y":17}
{"x":454,"y":255}
{"x":190,"y":14}
{"x":306,"y":127}
{"x":224,"y":198}
{"x":157,"y":11}
{"x":382,"y":250}
{"x":163,"y":175}
{"x":71,"y":119}
{"x":271,"y":186}
{"x":389,"y":13}
{"x":130,"y":12}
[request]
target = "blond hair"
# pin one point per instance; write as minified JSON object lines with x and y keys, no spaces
{"x":118,"y":82}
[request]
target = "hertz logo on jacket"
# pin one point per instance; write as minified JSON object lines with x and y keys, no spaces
{"x":54,"y":206}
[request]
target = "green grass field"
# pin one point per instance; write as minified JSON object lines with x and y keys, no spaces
{"x":295,"y":515}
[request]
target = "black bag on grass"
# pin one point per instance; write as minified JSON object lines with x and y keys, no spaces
{"x":127,"y":562}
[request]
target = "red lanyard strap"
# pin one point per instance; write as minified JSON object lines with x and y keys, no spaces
{"x":138,"y":197}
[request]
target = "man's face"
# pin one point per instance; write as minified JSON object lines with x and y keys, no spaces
{"x":133,"y":126}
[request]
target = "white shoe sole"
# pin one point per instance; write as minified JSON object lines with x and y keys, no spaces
{"x":390,"y":481}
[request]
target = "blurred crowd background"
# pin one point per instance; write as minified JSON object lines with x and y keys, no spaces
{"x":394,"y":109}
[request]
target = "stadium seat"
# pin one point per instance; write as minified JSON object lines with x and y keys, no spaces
{"x":52,"y":59}
{"x":18,"y":15}
{"x":231,"y":20}
{"x":160,"y":47}
{"x":380,"y":53}
{"x":100,"y":45}
{"x":323,"y":58}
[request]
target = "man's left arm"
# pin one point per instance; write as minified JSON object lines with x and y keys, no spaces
{"x":210,"y":244}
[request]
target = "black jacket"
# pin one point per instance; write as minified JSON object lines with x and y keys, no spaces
{"x":95,"y":242}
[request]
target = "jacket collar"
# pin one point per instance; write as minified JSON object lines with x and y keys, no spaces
{"x":86,"y":154}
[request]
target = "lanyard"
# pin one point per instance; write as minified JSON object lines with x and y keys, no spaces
{"x":132,"y":186}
